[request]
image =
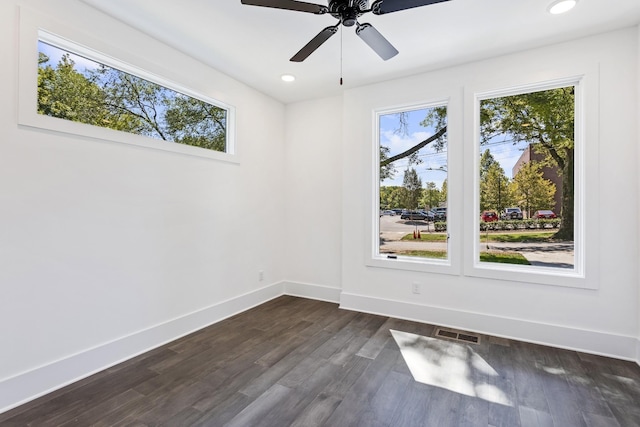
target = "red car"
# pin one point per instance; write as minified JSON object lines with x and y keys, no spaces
{"x":544,"y":214}
{"x":489,"y":216}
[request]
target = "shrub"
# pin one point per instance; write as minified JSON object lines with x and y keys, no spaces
{"x":516,"y":224}
{"x":440,"y":226}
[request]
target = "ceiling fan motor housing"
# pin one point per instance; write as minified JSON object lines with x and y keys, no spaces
{"x":348,"y":15}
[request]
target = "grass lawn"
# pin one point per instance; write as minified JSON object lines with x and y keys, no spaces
{"x":424,"y":254}
{"x":501,"y":257}
{"x":428,"y":237}
{"x":504,"y":258}
{"x":532,"y":237}
{"x":526,"y":237}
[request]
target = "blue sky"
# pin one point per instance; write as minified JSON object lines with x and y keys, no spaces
{"x":399,"y":141}
{"x":55,"y":53}
{"x":502,"y":149}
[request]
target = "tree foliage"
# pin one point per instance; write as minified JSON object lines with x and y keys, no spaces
{"x":108,"y":97}
{"x":486,"y":162}
{"x":531,"y":190}
{"x":412,"y":189}
{"x":544,"y":119}
{"x":194,"y":122}
{"x":67,"y":94}
{"x":387,"y":171}
{"x":494,"y":189}
{"x":391,"y":197}
{"x":431,"y":197}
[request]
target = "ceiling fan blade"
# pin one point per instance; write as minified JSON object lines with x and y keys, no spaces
{"x":380,"y":7}
{"x":298,"y":6}
{"x":376,"y":41}
{"x":315,"y":43}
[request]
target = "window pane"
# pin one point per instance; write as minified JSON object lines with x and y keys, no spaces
{"x":526,"y":181}
{"x":413,"y":183}
{"x":78,"y":89}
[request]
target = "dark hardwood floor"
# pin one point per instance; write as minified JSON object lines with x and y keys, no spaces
{"x":299,"y":362}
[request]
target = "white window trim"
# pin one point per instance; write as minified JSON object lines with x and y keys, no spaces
{"x":576,"y":277}
{"x":375,"y":259}
{"x":58,"y":35}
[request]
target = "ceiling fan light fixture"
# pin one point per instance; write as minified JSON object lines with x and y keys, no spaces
{"x":561,"y":6}
{"x":288,"y":78}
{"x":347,"y":13}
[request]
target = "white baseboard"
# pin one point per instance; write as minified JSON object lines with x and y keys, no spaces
{"x":317,"y":292}
{"x":21,"y":388}
{"x":594,"y":342}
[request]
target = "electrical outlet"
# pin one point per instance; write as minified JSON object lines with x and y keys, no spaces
{"x":415,"y":287}
{"x":260,"y":275}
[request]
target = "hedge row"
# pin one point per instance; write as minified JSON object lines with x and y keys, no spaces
{"x":522,"y":224}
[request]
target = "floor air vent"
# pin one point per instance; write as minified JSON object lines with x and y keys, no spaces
{"x":458,"y":336}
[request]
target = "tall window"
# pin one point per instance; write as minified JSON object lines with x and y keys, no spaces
{"x":413,"y":183}
{"x":78,"y":89}
{"x":526,"y":178}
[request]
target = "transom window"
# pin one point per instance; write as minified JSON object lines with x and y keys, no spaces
{"x":78,"y":89}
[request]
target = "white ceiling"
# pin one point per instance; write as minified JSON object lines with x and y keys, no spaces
{"x":254,"y":44}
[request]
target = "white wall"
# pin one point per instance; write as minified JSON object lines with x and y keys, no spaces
{"x":313,"y":215}
{"x":600,"y":320}
{"x":106,"y":249}
{"x":638,"y":139}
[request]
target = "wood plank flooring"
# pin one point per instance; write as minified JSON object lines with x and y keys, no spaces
{"x":299,"y":362}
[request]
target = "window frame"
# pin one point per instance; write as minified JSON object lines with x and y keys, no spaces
{"x":375,"y":259}
{"x":576,"y":277}
{"x":57,"y":35}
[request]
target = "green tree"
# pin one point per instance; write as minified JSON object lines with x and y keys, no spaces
{"x":532,"y":190}
{"x":546,"y":120}
{"x":391,"y":197}
{"x":67,"y":94}
{"x":431,"y":196}
{"x":194,"y":122}
{"x":126,"y":94}
{"x":110,"y":98}
{"x":494,"y":189}
{"x":486,"y":161}
{"x":412,"y":185}
{"x":163,"y":113}
{"x":387,"y":170}
{"x":444,"y":191}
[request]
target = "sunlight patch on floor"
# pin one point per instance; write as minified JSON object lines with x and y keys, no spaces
{"x":449,"y":365}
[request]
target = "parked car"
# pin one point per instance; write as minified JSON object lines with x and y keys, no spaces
{"x":440,"y":214}
{"x":397,"y":211}
{"x":544,"y":214}
{"x":489,"y":216}
{"x":387,"y":212}
{"x":429,"y":214}
{"x":512,"y":213}
{"x":414,"y":215}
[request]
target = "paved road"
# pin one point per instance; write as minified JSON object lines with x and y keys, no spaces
{"x":392,"y":229}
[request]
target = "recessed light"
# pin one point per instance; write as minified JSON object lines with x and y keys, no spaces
{"x":288,"y":77}
{"x":561,"y":6}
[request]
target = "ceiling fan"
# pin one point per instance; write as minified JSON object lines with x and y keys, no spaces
{"x":347,"y":13}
